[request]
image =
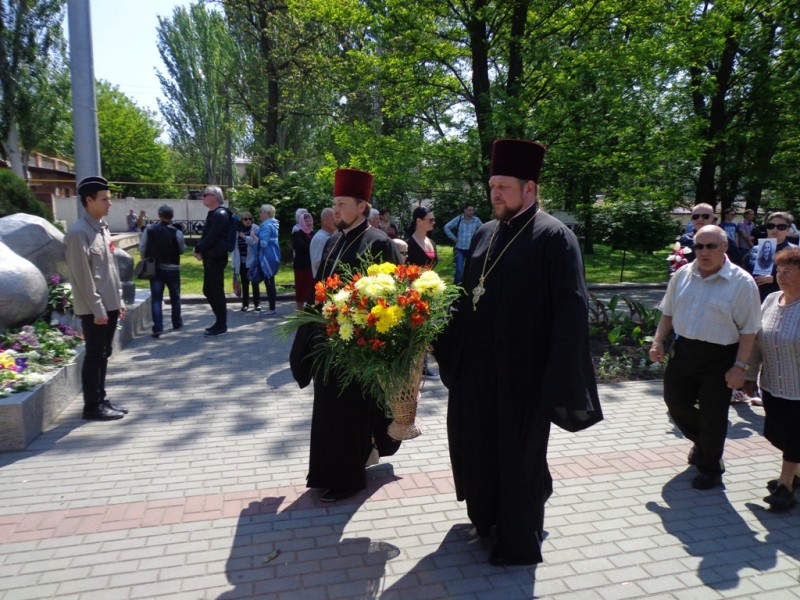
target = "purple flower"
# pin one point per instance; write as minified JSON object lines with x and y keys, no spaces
{"x":55,"y":279}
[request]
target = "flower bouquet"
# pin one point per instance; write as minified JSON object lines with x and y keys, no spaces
{"x":678,"y":257}
{"x":378,"y":325}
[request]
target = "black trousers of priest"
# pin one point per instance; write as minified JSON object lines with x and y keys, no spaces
{"x":698,"y":398}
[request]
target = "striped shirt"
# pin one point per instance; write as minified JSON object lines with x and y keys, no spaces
{"x":777,"y":349}
{"x":715,"y":309}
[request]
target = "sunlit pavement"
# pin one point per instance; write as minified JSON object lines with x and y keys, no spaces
{"x":199,"y":494}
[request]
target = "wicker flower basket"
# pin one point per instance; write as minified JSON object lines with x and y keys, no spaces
{"x":403,"y":403}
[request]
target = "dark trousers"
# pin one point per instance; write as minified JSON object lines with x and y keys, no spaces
{"x":698,"y":398}
{"x":98,"y":340}
{"x":172,"y":281}
{"x":272,"y":292}
{"x":461,"y":257}
{"x":246,"y":288}
{"x":214,"y":289}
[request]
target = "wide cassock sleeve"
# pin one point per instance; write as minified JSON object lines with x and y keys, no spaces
{"x":569,"y":383}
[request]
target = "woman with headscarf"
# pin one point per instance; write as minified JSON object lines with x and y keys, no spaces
{"x":301,"y":244}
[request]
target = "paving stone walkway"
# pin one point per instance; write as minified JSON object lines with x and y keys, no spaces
{"x":199,"y":494}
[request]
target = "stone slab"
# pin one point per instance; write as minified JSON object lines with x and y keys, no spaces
{"x":24,"y":415}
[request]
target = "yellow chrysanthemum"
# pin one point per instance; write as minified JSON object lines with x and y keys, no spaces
{"x":345,"y":330}
{"x":387,"y":317}
{"x":386,"y":268}
{"x":376,"y":286}
{"x":429,"y":283}
{"x":360,"y":317}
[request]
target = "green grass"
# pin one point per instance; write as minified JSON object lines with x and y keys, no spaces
{"x":605,"y":264}
{"x":601,"y":267}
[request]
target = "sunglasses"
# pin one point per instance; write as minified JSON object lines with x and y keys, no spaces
{"x":701,"y":216}
{"x":247,"y":218}
{"x":706,"y":246}
{"x":778,"y":226}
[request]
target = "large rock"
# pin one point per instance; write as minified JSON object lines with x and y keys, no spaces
{"x":23,"y":289}
{"x":125,"y":268}
{"x":36,"y":240}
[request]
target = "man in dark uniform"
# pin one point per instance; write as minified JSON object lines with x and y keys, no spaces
{"x":212,"y":251}
{"x":515,"y":358}
{"x":345,"y":422}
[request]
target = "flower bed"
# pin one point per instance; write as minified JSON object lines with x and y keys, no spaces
{"x":27,"y":354}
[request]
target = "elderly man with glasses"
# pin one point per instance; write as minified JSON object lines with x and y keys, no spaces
{"x":713,"y":307}
{"x":212,"y":250}
{"x":702,"y":215}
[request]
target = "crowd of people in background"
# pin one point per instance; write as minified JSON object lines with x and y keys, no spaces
{"x":732,"y":303}
{"x":734,"y":307}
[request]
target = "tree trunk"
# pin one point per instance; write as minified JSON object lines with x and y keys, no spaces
{"x":717,"y":120}
{"x":481,"y":95}
{"x":515,"y":104}
{"x":13,"y":151}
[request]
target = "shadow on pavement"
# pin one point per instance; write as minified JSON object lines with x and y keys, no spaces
{"x":441,"y":574}
{"x":711,"y":529}
{"x":302,"y":550}
{"x":781,"y":530}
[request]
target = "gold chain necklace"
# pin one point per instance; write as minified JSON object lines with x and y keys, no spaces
{"x":479,"y":290}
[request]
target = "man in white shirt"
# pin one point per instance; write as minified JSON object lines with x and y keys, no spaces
{"x":326,"y":230}
{"x":713,"y":307}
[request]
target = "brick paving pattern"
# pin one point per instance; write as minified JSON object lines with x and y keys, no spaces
{"x":199,"y":494}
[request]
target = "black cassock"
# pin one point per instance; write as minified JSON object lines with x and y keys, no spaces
{"x":513,"y":365}
{"x":344,"y":421}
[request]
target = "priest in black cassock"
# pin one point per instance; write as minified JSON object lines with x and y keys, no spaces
{"x":346,"y":424}
{"x":515,"y":358}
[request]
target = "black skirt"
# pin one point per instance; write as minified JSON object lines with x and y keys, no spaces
{"x":782,"y":425}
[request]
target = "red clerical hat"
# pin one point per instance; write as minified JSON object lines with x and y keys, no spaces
{"x":353,"y":183}
{"x":517,"y":158}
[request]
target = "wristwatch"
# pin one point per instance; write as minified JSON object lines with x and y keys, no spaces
{"x":741,"y":364}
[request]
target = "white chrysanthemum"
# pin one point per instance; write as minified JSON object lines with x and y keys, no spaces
{"x":341,"y":298}
{"x":429,"y":283}
{"x":376,"y":285}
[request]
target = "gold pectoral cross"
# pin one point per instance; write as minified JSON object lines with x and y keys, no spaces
{"x":477,"y":292}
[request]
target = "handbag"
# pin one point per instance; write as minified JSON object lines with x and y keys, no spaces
{"x":237,"y":286}
{"x":145,"y":268}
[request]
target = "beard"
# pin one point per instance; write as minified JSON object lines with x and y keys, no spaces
{"x":341,"y":224}
{"x":505,"y":213}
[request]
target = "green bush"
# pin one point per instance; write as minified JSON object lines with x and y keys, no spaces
{"x":15,"y":197}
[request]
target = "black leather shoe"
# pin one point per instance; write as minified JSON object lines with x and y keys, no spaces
{"x":781,"y":499}
{"x":772,"y":484}
{"x":335,"y":495}
{"x":214,"y":332}
{"x":124,"y":411}
{"x":703,"y":481}
{"x":156,"y":334}
{"x":102,"y":413}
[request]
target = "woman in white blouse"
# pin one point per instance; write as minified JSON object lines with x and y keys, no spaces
{"x":777,"y":353}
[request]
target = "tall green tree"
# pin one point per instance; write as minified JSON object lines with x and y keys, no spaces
{"x":31,"y":77}
{"x":130,"y":148}
{"x":205,"y":125}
